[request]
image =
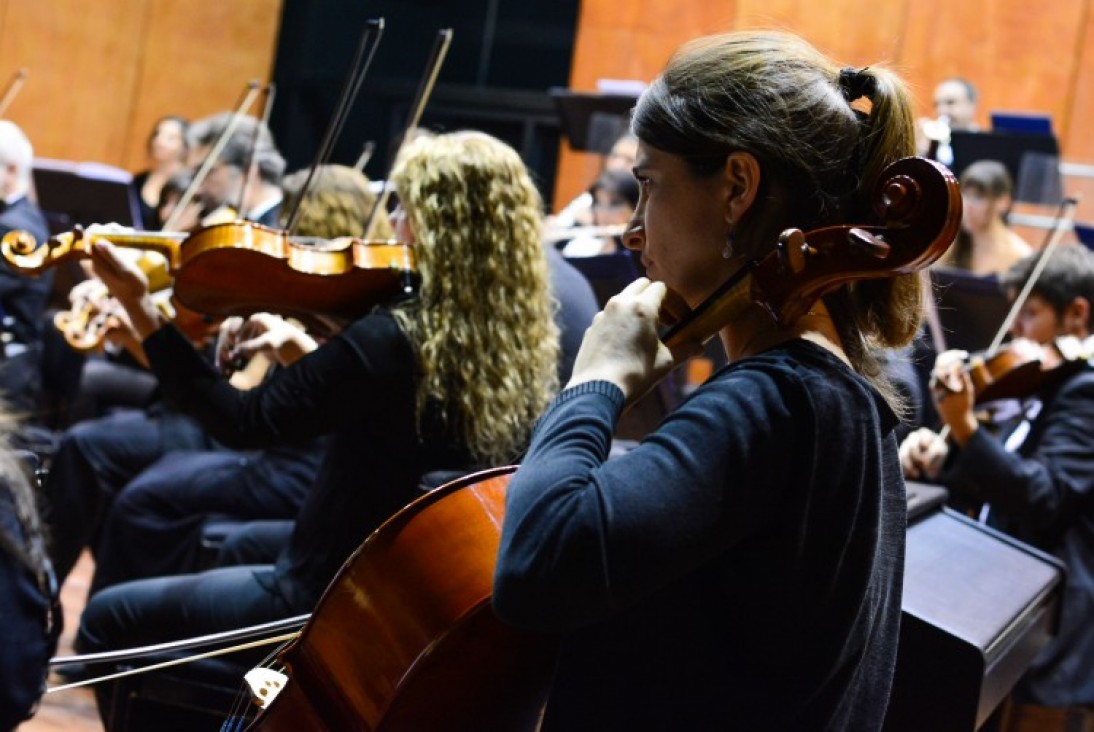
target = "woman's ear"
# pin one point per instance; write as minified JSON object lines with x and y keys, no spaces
{"x":742,"y":178}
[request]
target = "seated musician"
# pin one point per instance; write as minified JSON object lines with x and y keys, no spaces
{"x":23,"y":299}
{"x":442,"y":380}
{"x":167,"y":154}
{"x":615,"y":194}
{"x":31,"y":618}
{"x":1035,"y":478}
{"x":986,"y":244}
{"x":248,"y":165}
{"x":152,"y":527}
{"x":741,"y":567}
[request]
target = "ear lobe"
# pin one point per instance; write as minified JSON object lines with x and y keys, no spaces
{"x":742,"y":178}
{"x":1078,"y":315}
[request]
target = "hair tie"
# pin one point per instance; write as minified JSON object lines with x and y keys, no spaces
{"x":855,"y":83}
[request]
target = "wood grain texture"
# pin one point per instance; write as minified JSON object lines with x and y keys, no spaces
{"x":102,"y":71}
{"x":1019,"y":58}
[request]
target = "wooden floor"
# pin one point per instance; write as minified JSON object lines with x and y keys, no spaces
{"x":72,"y":710}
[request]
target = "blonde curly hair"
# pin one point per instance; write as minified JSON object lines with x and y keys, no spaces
{"x":338,"y":203}
{"x":483,"y":322}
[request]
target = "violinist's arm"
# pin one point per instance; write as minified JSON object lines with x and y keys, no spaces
{"x":1048,"y":480}
{"x":262,"y":333}
{"x":922,"y":454}
{"x":129,"y":285}
{"x":126,"y":337}
{"x":954,"y":395}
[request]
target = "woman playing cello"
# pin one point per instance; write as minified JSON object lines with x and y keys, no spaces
{"x":741,"y":567}
{"x":444,"y":380}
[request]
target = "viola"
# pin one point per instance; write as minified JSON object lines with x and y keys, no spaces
{"x":240,"y":268}
{"x":405,"y":638}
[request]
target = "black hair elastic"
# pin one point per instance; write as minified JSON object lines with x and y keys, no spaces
{"x":855,"y":83}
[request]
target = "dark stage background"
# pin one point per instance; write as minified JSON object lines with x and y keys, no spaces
{"x":505,"y":54}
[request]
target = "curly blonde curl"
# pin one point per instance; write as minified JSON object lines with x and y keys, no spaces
{"x":483,"y":321}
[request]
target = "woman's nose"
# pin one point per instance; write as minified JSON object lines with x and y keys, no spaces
{"x":634,"y":238}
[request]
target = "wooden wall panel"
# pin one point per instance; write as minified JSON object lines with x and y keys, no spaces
{"x":196,"y":62}
{"x":836,"y":27}
{"x":1079,"y":137}
{"x":101,"y":71}
{"x":629,"y":40}
{"x":82,"y":63}
{"x":1019,"y":59}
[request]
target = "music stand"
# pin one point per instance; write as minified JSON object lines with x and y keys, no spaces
{"x":71,"y":194}
{"x":1015,"y":151}
{"x":970,"y":307}
{"x":591,"y":121}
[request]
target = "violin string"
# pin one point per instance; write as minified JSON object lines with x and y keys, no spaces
{"x":370,"y":39}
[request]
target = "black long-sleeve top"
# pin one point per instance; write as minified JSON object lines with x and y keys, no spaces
{"x":1042,"y":492}
{"x":358,"y":387}
{"x":740,"y":569}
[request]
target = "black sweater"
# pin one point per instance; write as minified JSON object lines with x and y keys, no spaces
{"x":358,"y":387}
{"x":740,"y":569}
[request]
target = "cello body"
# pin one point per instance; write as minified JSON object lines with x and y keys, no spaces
{"x":405,"y":637}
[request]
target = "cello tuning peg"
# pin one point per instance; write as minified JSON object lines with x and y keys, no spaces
{"x":864,"y":242}
{"x":793,"y":250}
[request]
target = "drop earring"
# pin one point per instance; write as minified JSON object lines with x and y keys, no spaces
{"x":727,"y":251}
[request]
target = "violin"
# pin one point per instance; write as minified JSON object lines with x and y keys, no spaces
{"x":1013,"y":370}
{"x":240,"y":268}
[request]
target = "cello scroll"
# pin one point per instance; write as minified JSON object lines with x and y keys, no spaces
{"x":919,"y":204}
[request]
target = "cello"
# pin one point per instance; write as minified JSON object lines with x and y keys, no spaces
{"x":426,"y":650}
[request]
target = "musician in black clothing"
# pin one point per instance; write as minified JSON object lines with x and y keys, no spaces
{"x":1035,"y":477}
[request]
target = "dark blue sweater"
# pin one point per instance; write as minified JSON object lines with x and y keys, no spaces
{"x":740,"y":569}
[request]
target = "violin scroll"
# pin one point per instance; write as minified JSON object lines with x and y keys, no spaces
{"x":25,"y":255}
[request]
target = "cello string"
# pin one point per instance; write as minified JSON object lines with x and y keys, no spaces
{"x":244,"y":697}
{"x":357,"y":72}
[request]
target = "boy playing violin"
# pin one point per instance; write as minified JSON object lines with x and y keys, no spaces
{"x":1036,"y":478}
